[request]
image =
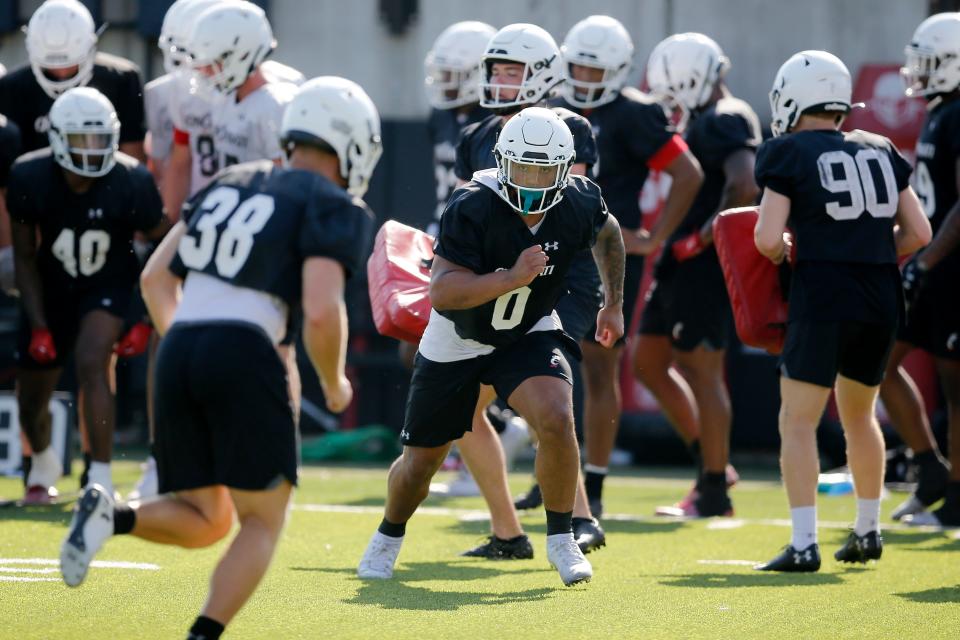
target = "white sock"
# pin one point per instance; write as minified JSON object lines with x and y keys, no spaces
{"x":868,"y":517}
{"x":592,"y":468}
{"x":100,"y":474}
{"x":45,"y":468}
{"x":804,"y":527}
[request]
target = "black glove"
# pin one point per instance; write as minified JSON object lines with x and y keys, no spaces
{"x":913,"y":276}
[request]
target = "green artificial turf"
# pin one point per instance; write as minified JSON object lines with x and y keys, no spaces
{"x":655,"y":579}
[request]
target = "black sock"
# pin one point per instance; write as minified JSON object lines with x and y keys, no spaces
{"x":85,"y":476}
{"x":393,"y":530}
{"x":711,"y":481}
{"x":953,"y":495}
{"x":577,"y":521}
{"x":594,"y":484}
{"x":124,"y":517}
{"x":926,"y":458}
{"x":694,"y":449}
{"x":559,"y":522}
{"x":27,"y":463}
{"x":205,"y":628}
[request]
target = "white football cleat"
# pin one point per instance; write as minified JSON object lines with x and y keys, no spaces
{"x":923,"y":519}
{"x":565,"y":556}
{"x":91,"y":525}
{"x":149,"y":484}
{"x":379,"y":558}
{"x":909,"y":507}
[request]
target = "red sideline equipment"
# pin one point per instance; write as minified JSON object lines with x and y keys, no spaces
{"x":753,"y":282}
{"x":398,"y":275}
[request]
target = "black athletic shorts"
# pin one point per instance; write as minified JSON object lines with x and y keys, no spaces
{"x":65,"y":310}
{"x":443,"y":395}
{"x":632,"y":277}
{"x":689,"y":303}
{"x":816,"y":352}
{"x":222,"y":409}
{"x":578,"y":307}
{"x":933,"y":323}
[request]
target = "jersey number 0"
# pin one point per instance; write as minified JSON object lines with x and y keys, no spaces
{"x":233,"y":245}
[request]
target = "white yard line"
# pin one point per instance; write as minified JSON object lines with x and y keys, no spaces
{"x":735,"y":563}
{"x":99,"y":564}
{"x":23,"y":579}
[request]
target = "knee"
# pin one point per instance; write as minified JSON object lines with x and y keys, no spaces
{"x":32,"y":411}
{"x":91,"y":364}
{"x":419,"y":469}
{"x":554,"y":422}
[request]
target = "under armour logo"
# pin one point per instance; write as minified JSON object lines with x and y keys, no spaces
{"x":404,"y":434}
{"x":551,"y":246}
{"x":95,"y":214}
{"x":677,"y":330}
{"x":806,"y":556}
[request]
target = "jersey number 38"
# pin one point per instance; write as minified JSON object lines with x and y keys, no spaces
{"x":230,"y":248}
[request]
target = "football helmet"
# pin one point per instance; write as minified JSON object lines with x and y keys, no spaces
{"x":534,"y":153}
{"x":810,"y":81}
{"x":177,"y":23}
{"x":603,"y":43}
{"x":453,"y":64}
{"x":933,"y":56}
{"x":336,"y":113}
{"x":84,"y":132}
{"x":61,"y":34}
{"x":684,"y":69}
{"x":525,"y":44}
{"x":227,"y":43}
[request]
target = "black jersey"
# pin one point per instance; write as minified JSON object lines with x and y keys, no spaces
{"x":444,"y":126}
{"x":721,"y":129}
{"x":475,"y":147}
{"x":843,"y":190}
{"x":481,"y":232}
{"x":256,"y":223}
{"x":630,"y":130}
{"x":24,"y":101}
{"x":938,"y":149}
{"x":86,"y":238}
{"x":9,"y":147}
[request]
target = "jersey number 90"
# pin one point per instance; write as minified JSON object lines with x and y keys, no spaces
{"x":859,"y":183}
{"x":230,"y":248}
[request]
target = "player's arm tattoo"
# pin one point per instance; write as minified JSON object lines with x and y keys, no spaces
{"x":610,"y":256}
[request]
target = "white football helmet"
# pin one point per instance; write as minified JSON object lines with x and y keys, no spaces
{"x":603,"y":43}
{"x":534,"y":153}
{"x":336,"y":114}
{"x":61,"y":34}
{"x":525,"y":44}
{"x":175,"y":32}
{"x":685,"y":68}
{"x":233,"y":38}
{"x":933,"y":56}
{"x":453,"y":64}
{"x":810,"y":81}
{"x":84,"y":132}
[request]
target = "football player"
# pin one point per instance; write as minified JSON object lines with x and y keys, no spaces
{"x":633,"y":137}
{"x":852,"y":211}
{"x":687,"y":317}
{"x":258,"y":243}
{"x":62,"y":46}
{"x":84,"y":199}
{"x":9,"y":150}
{"x":507,"y":240}
{"x":932,"y":71}
{"x":518,"y":69}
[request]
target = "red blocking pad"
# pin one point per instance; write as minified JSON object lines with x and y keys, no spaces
{"x":398,"y":275}
{"x":753,"y":282}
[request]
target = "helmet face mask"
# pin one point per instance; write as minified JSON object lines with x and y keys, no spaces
{"x":452,"y":67}
{"x":684,"y":71}
{"x":932,"y":64}
{"x":597,"y":55}
{"x":527,"y":46}
{"x":534,"y":154}
{"x":84,"y":132}
{"x":587,"y":84}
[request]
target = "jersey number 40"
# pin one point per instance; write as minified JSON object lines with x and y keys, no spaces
{"x":230,"y":248}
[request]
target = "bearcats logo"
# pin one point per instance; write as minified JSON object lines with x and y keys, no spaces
{"x":554,"y":361}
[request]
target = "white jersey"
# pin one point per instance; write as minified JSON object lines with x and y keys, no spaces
{"x":192,"y":114}
{"x":158,"y":96}
{"x":250,"y":129}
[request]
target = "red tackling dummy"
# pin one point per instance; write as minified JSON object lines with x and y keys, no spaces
{"x":753,"y":282}
{"x":398,"y":275}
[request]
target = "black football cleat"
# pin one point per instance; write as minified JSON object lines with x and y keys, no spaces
{"x":596,"y":507}
{"x":532,"y":499}
{"x":495,"y":548}
{"x":860,"y":548}
{"x":791,"y":560}
{"x":589,"y":534}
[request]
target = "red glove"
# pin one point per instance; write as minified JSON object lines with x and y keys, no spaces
{"x":688,"y":247}
{"x":135,"y":341}
{"x":41,"y":346}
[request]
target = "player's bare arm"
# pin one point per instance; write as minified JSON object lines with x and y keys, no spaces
{"x":159,"y":286}
{"x":610,"y":256}
{"x":454,"y":287}
{"x":27,"y":276}
{"x":176,"y":180}
{"x":948,"y":235}
{"x":687,"y":176}
{"x":768,"y":235}
{"x":325,"y":328}
{"x":913,"y":231}
{"x":739,"y":189}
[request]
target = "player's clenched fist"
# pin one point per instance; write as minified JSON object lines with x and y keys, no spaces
{"x":529,"y":265}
